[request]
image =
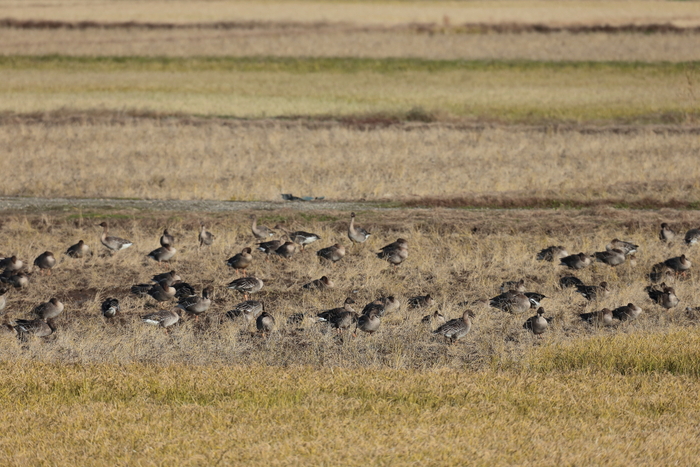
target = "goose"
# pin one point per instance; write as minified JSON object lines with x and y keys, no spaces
{"x":535,"y":298}
{"x":287,"y":250}
{"x":79,"y":250}
{"x":395,"y":253}
{"x":421,"y":301}
{"x":246,"y":285}
{"x":319,"y":284}
{"x":113,"y":243}
{"x":240,"y":261}
{"x":628,"y":248}
{"x":538,"y":323}
{"x":183,"y":290}
{"x":356,"y":234}
{"x":578,"y":261}
{"x":603,"y":317}
{"x":518,"y":286}
{"x":663,"y":295}
{"x":436,"y":318}
{"x":11,"y":264}
{"x":170,"y":276}
{"x":692,"y":236}
{"x":344,"y":320}
{"x":613,"y":257}
{"x":265,"y":323}
{"x":511,"y":302}
{"x":205,"y":238}
{"x":330,"y":315}
{"x":166,"y":239}
{"x":666,"y":234}
{"x":197,"y":305}
{"x":552,"y":253}
{"x":110,"y":307}
{"x":162,"y":291}
{"x":456,"y":328}
{"x":162,"y":254}
{"x":332,"y":253}
{"x":368,"y":323}
{"x":390,"y":303}
{"x":679,"y":264}
{"x":36,"y":327}
{"x":628,"y":312}
{"x":270,"y":247}
{"x":249,"y":309}
{"x":570,"y":281}
{"x":376,"y":306}
{"x":301,"y":238}
{"x":48,"y":310}
{"x":594,"y":292}
{"x":45,"y":261}
{"x":260,"y":231}
{"x":19,"y":280}
{"x":162,"y":318}
{"x":660,"y":272}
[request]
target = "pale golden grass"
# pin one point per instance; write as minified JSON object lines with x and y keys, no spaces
{"x":340,"y":42}
{"x":185,"y":415}
{"x":127,"y":394}
{"x":166,"y":159}
{"x":360,"y":12}
{"x":512,"y":94}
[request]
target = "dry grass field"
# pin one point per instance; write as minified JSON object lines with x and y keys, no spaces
{"x":480,"y":131}
{"x":220,"y":159}
{"x":213,"y":390}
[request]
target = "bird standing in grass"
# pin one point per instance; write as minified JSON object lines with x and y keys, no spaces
{"x":456,"y":328}
{"x":537,"y":324}
{"x":356,"y":234}
{"x":112,"y":243}
{"x":167,"y":239}
{"x":240,"y":261}
{"x":260,"y":231}
{"x":205,"y":238}
{"x":246,"y":285}
{"x":162,"y":318}
{"x":265,"y":323}
{"x":45,"y":262}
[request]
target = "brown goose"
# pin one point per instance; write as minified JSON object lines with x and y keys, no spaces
{"x":162,"y":292}
{"x":18,"y":280}
{"x":390,"y":303}
{"x":395,"y":253}
{"x":456,"y":328}
{"x":628,"y":312}
{"x":537,"y":324}
{"x":603,"y":317}
{"x":594,"y":292}
{"x":344,"y":320}
{"x":112,"y":243}
{"x":511,"y":302}
{"x":197,"y":305}
{"x":249,"y":309}
{"x":552,"y":253}
{"x":162,"y":318}
{"x":679,"y":264}
{"x":661,"y":272}
{"x":11,"y":264}
{"x":45,"y":261}
{"x":332,"y":314}
{"x":356,"y":234}
{"x":332,"y":253}
{"x":318,"y":284}
{"x":368,"y":323}
{"x":628,"y":248}
{"x":287,"y":250}
{"x":265,"y":323}
{"x":167,"y":239}
{"x":260,"y":231}
{"x":301,"y":238}
{"x":36,"y":327}
{"x":270,"y":247}
{"x":578,"y":261}
{"x":663,"y":295}
{"x":205,"y":238}
{"x":241,"y":261}
{"x":666,"y":234}
{"x":162,"y":254}
{"x":50,"y":309}
{"x":171,"y":277}
{"x":613,"y":257}
{"x":110,"y":308}
{"x":79,"y":250}
{"x":570,"y":281}
{"x":246,"y":285}
{"x":692,"y":236}
{"x":421,"y":301}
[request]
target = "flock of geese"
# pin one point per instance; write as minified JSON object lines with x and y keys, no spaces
{"x":169,"y":286}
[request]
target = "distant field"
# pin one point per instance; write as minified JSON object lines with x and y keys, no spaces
{"x":508,"y":92}
{"x":361,"y":12}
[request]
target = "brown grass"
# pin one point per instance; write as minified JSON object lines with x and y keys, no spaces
{"x":146,"y":158}
{"x":336,"y":41}
{"x":362,"y":12}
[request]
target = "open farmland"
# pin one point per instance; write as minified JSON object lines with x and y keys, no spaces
{"x":479,"y":131}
